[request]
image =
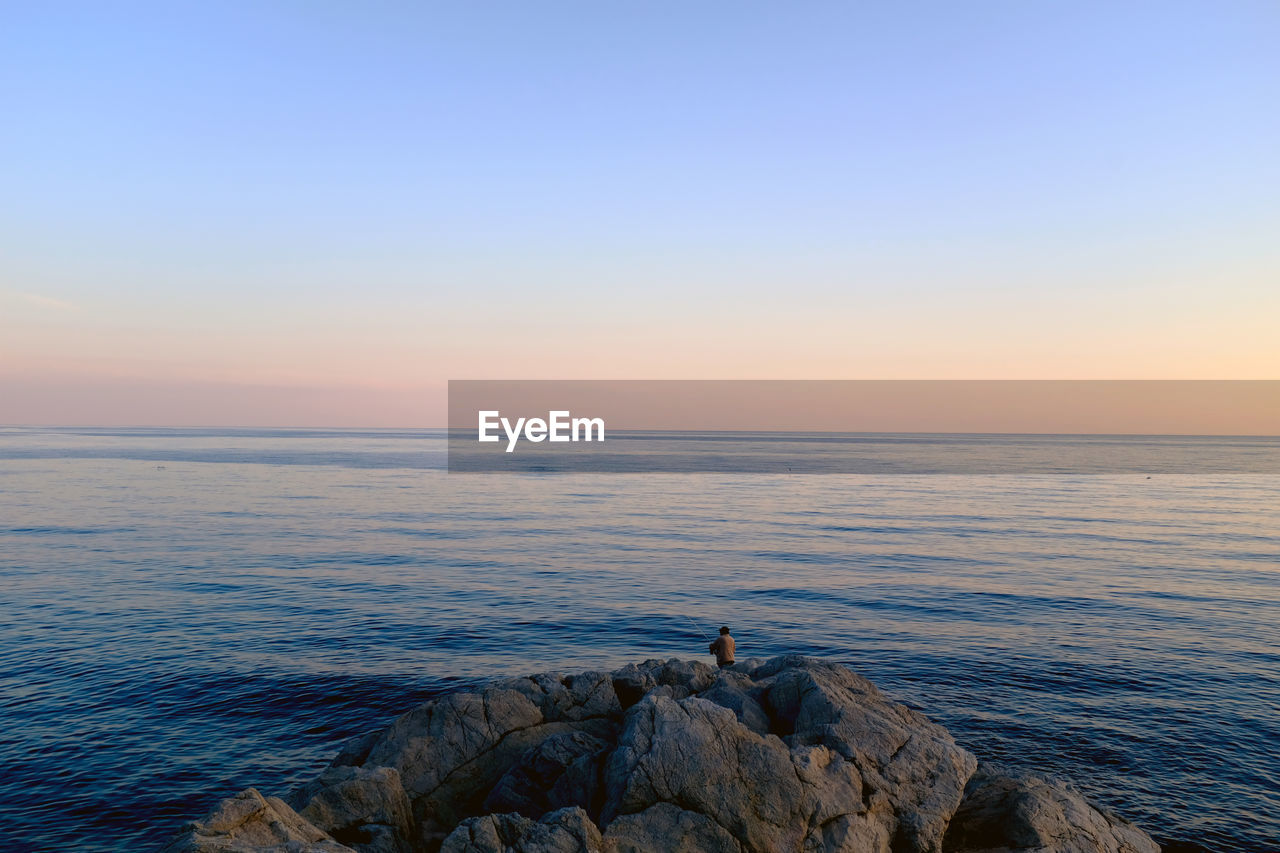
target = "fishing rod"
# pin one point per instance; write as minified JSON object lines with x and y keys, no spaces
{"x":699,"y":627}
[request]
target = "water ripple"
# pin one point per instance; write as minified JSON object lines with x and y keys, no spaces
{"x":173,"y":636}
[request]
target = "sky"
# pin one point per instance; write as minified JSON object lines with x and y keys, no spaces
{"x":315,"y":214}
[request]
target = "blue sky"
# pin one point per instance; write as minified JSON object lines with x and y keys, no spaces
{"x":387,"y":195}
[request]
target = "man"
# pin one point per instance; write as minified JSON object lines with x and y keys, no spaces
{"x":722,"y":648}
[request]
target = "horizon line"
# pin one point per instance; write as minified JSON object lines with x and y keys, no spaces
{"x":630,"y":431}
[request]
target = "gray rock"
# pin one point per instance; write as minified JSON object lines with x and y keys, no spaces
{"x":568,"y":698}
{"x":788,"y":755}
{"x":664,"y":828}
{"x":563,"y":831}
{"x":252,"y":823}
{"x":747,"y":665}
{"x":430,"y":744}
{"x":696,"y":676}
{"x":899,"y":753}
{"x":563,"y":770}
{"x":451,"y":752}
{"x":1005,"y":813}
{"x":631,"y":683}
{"x":355,"y":751}
{"x":734,"y":690}
{"x":363,"y":807}
{"x":694,"y":754}
{"x":634,"y":681}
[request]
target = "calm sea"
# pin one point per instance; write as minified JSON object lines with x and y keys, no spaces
{"x":190,"y":612}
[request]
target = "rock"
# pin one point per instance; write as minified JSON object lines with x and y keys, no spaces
{"x":572,"y":698}
{"x":251,"y":822}
{"x":788,"y":755}
{"x":693,"y":753}
{"x":684,"y":678}
{"x":747,"y":665}
{"x":563,"y":831}
{"x":665,"y":827}
{"x":563,"y":770}
{"x":355,"y":751}
{"x":431,"y":743}
{"x":692,"y":675}
{"x":631,"y":683}
{"x":735,"y":691}
{"x":451,"y":752}
{"x":364,"y":807}
{"x":1003,"y":813}
{"x":913,"y":763}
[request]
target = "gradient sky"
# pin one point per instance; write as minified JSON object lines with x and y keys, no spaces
{"x":315,"y":213}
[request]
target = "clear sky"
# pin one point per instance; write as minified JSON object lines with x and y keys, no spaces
{"x":315,"y":213}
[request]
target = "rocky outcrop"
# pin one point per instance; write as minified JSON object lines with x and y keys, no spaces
{"x":251,"y":822}
{"x":790,"y":754}
{"x":1002,"y":813}
{"x":363,"y":806}
{"x":564,"y":831}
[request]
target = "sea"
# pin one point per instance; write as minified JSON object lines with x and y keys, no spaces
{"x":190,"y":612}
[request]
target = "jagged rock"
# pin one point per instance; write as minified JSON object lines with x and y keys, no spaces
{"x":365,"y":807}
{"x":451,"y":752}
{"x":564,"y":831}
{"x":693,"y":753}
{"x":252,"y":823}
{"x":567,"y":698}
{"x":1004,"y":813}
{"x":670,"y":828}
{"x":789,"y":755}
{"x":563,"y":770}
{"x":733,"y":690}
{"x":680,"y":678}
{"x":355,"y":751}
{"x":692,"y":675}
{"x":914,"y":763}
{"x":630,"y":684}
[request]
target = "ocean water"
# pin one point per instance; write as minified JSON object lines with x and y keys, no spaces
{"x":190,"y":612}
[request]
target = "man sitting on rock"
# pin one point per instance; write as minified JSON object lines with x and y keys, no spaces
{"x":722,"y":648}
